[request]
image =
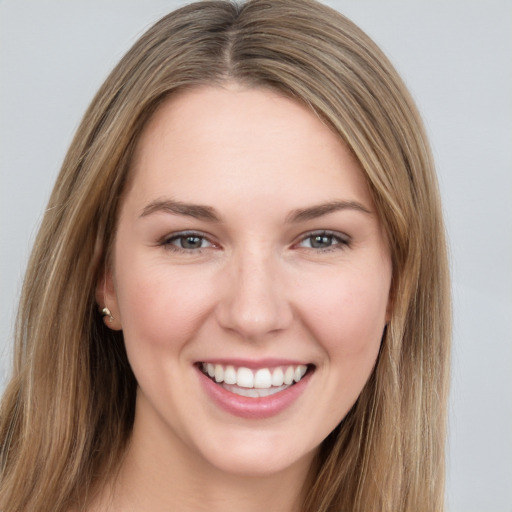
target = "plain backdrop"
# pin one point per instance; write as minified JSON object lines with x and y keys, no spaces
{"x":455,"y":56}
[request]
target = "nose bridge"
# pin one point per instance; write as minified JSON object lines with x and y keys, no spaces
{"x":255,"y":302}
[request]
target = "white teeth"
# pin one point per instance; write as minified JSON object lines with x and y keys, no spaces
{"x":299,"y":372}
{"x":230,"y":375}
{"x":250,"y":392}
{"x":245,"y":378}
{"x":261,"y":379}
{"x":277,"y":377}
{"x":288,"y":375}
{"x":219,"y":373}
{"x":253,"y":392}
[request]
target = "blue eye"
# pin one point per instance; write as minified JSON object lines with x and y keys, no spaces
{"x":324,"y":240}
{"x":187,"y":242}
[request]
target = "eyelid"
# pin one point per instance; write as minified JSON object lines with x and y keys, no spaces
{"x":343,"y":240}
{"x":166,"y":241}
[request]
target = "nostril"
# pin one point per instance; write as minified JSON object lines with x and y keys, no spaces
{"x":253,"y":319}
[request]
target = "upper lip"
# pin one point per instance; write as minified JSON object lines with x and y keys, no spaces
{"x":254,"y":364}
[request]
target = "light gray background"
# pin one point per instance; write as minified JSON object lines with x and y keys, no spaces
{"x":456,"y":57}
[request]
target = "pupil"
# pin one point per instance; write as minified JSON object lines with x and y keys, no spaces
{"x":191,"y":242}
{"x":320,"y":241}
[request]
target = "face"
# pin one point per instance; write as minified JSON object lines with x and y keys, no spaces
{"x":250,"y":278}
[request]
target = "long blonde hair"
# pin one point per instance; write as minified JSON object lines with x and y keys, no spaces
{"x":68,"y":410}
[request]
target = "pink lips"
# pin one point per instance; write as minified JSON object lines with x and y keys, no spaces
{"x":253,"y":408}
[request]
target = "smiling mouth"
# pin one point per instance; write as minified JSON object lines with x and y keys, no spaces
{"x":255,"y":383}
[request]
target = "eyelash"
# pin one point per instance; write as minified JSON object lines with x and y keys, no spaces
{"x":336,"y":241}
{"x":167,"y":242}
{"x":340,"y":240}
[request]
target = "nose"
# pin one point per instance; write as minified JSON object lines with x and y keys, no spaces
{"x":254,"y":301}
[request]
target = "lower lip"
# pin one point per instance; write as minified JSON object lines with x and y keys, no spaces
{"x":253,"y":408}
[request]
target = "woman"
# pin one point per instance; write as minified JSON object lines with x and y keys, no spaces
{"x":239,"y":292}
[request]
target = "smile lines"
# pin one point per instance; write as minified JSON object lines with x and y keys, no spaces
{"x":263,"y":378}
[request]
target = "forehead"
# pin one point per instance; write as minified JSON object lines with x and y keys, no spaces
{"x":210,"y":140}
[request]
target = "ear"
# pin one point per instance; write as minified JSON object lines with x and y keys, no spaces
{"x":106,"y":297}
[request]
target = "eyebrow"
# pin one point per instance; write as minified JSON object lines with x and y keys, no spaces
{"x":207,"y":213}
{"x":313,"y":212}
{"x":196,"y":211}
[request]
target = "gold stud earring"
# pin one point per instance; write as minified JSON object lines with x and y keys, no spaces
{"x":106,"y":312}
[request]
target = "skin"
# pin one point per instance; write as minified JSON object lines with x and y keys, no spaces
{"x":256,"y":288}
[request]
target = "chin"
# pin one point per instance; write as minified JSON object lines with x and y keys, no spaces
{"x":256,"y":455}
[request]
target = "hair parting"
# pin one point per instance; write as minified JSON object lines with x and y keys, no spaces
{"x":68,"y":410}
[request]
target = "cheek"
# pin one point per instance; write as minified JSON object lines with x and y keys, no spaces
{"x":160,"y":305}
{"x":348,"y":313}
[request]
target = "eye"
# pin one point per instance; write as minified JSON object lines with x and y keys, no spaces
{"x":188,"y":241}
{"x":324,"y":240}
